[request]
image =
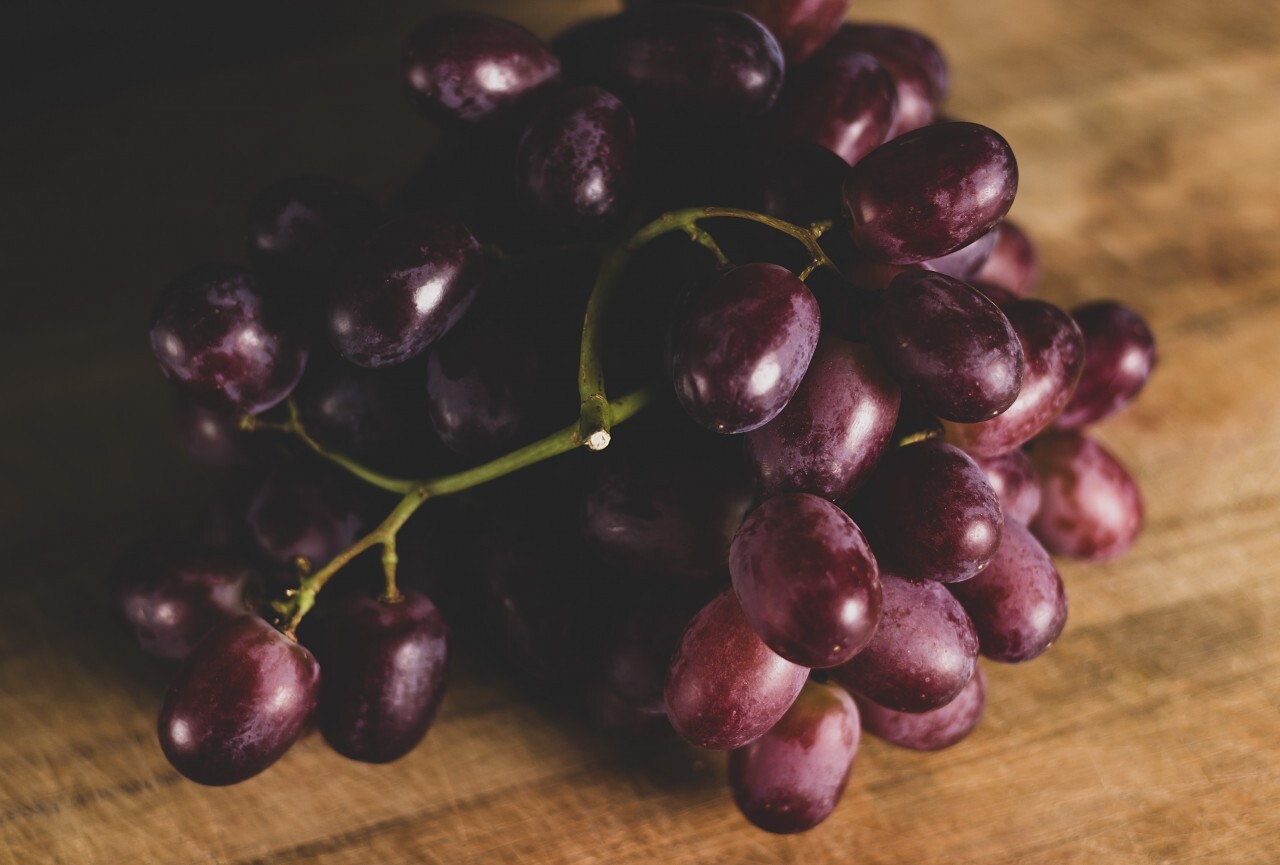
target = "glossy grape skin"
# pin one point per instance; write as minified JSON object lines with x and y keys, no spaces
{"x":1091,"y":508}
{"x":930,"y":192}
{"x":241,"y":699}
{"x":832,"y":433}
{"x":414,"y":279}
{"x":806,"y":579}
{"x":791,"y":778}
{"x":800,"y":26}
{"x":474,"y":69}
{"x":967,"y":260}
{"x":577,"y":158}
{"x":1016,"y":484}
{"x":385,"y":667}
{"x":216,"y":336}
{"x":302,"y":230}
{"x":952,"y":350}
{"x":1018,"y":604}
{"x":744,"y":346}
{"x":801,"y":184}
{"x":929,"y":731}
{"x":923,"y":653}
{"x":1053,"y":350}
{"x":1119,"y":357}
{"x":918,"y":68}
{"x":1013,"y":264}
{"x":726,"y":688}
{"x":299,"y":516}
{"x":930,"y":513}
{"x":846,"y":103}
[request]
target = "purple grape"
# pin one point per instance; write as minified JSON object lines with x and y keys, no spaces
{"x":414,"y":279}
{"x":923,"y":653}
{"x":830,"y":437}
{"x":577,"y":158}
{"x":636,"y":666}
{"x":918,"y":68}
{"x":1091,"y":508}
{"x":743,"y":347}
{"x":726,"y":688}
{"x":791,"y":778}
{"x":385,"y":666}
{"x":967,"y":260}
{"x":1119,"y":356}
{"x":214,"y":334}
{"x":930,"y":513}
{"x":1018,"y":604}
{"x":800,"y":26}
{"x":952,"y":350}
{"x":806,"y":579}
{"x":1012,"y":264}
{"x":241,"y":699}
{"x":930,"y":192}
{"x":470,"y":68}
{"x":210,"y":436}
{"x":298,"y":516}
{"x":801,"y":184}
{"x":846,"y":103}
{"x":350,"y":409}
{"x":1054,"y":353}
{"x":929,"y":731}
{"x":1016,"y":484}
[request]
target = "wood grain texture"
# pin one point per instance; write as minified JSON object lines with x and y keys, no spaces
{"x":1149,"y":734}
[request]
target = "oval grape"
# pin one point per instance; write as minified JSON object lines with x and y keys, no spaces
{"x":1015,"y":482}
{"x":918,"y":68}
{"x":846,"y":103}
{"x":1091,"y":508}
{"x":1119,"y":356}
{"x":929,"y":731}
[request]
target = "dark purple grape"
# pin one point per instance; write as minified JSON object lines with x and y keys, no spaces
{"x":213,"y":437}
{"x":1053,"y":350}
{"x":806,"y":579}
{"x":470,"y":68}
{"x":801,"y":184}
{"x":303,"y":230}
{"x":830,"y":437}
{"x":923,"y":653}
{"x":952,"y":350}
{"x":414,"y":279}
{"x":241,"y":699}
{"x":726,"y":688}
{"x":172,"y":599}
{"x":292,"y":517}
{"x":743,"y":347}
{"x":930,"y":192}
{"x":845,"y":102}
{"x":1012,"y":264}
{"x":929,"y":731}
{"x":791,"y":778}
{"x":1119,"y":356}
{"x":385,"y":666}
{"x":931,"y":514}
{"x":967,"y":260}
{"x":1016,"y":484}
{"x":1091,"y":508}
{"x":350,"y":409}
{"x":214,"y":335}
{"x":1018,"y":604}
{"x":800,"y":26}
{"x":918,"y":68}
{"x":636,"y":666}
{"x":577,"y":158}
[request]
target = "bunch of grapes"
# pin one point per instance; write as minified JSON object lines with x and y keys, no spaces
{"x":861,"y":439}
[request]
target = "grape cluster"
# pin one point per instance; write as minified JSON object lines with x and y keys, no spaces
{"x":863,"y":440}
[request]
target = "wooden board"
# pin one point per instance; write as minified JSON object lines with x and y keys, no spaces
{"x":1147,"y":140}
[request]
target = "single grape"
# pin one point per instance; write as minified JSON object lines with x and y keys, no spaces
{"x":414,"y":279}
{"x":743,"y":347}
{"x":577,"y":158}
{"x":800,"y":26}
{"x":952,"y":350}
{"x":801,"y":184}
{"x":385,"y":666}
{"x":726,"y":688}
{"x":845,"y":102}
{"x":241,"y":699}
{"x":929,"y":731}
{"x":1091,"y":508}
{"x":791,"y":778}
{"x":923,"y":653}
{"x":830,"y":437}
{"x":930,"y":192}
{"x":216,"y":336}
{"x":1054,"y":353}
{"x":350,"y":409}
{"x":294,"y":515}
{"x":1016,"y":484}
{"x":1119,"y":356}
{"x":470,"y":68}
{"x":1017,"y":604}
{"x":930,"y":513}
{"x":1012,"y":264}
{"x":918,"y":68}
{"x":210,"y":436}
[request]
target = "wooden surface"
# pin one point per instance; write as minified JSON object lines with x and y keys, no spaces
{"x":1150,"y":173}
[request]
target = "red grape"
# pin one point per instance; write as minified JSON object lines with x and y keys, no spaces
{"x":918,"y":68}
{"x":929,"y":731}
{"x":1119,"y":356}
{"x":1015,"y":482}
{"x":1090,"y":506}
{"x":846,"y":103}
{"x":1013,"y":264}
